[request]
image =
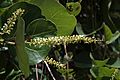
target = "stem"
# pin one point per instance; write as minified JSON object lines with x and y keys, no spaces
{"x":36,"y":72}
{"x":49,"y":70}
{"x":67,"y":67}
{"x":11,"y":43}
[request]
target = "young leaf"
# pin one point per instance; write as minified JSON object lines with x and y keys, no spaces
{"x":79,"y":29}
{"x":20,"y":48}
{"x":107,"y":32}
{"x":73,"y":8}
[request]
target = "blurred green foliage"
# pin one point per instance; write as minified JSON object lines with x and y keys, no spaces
{"x":47,"y":18}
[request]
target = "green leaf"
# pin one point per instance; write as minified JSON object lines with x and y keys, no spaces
{"x":20,"y":48}
{"x":40,"y":27}
{"x":116,"y":64}
{"x":105,"y":71}
{"x":37,"y":54}
{"x":73,"y":8}
{"x":55,"y":12}
{"x":107,"y":32}
{"x":100,"y":63}
{"x":79,"y":29}
{"x":115,"y":36}
{"x":99,"y":72}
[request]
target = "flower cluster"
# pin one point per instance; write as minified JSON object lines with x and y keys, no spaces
{"x":7,"y":27}
{"x":115,"y":73}
{"x":61,"y":40}
{"x":1,"y":41}
{"x":55,"y":63}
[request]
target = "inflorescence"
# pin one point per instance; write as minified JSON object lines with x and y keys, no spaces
{"x":7,"y":27}
{"x":60,"y":40}
{"x":55,"y":63}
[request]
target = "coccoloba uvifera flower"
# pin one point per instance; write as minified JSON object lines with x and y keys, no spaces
{"x":55,"y":63}
{"x":61,"y":40}
{"x":7,"y":27}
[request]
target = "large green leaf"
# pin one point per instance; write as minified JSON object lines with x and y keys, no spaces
{"x":37,"y":54}
{"x":55,"y":12}
{"x":39,"y":27}
{"x":20,"y":48}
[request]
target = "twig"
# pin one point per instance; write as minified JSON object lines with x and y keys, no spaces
{"x":49,"y":70}
{"x":11,"y":43}
{"x":66,"y":54}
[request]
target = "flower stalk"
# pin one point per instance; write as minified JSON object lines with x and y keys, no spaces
{"x":60,"y":40}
